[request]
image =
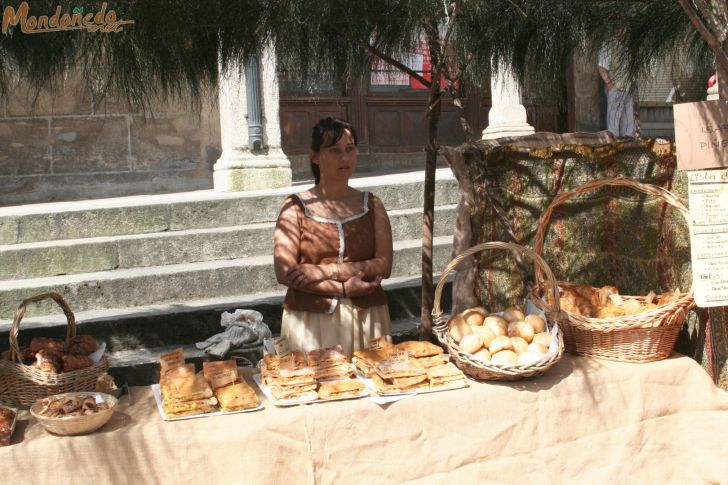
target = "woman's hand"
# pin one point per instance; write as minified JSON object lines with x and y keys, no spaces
{"x":357,"y":286}
{"x":302,"y":275}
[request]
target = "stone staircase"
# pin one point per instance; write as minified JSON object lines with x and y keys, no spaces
{"x":147,"y":273}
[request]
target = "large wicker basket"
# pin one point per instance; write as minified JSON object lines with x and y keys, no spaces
{"x":484,"y":370}
{"x":22,"y":385}
{"x":642,"y":337}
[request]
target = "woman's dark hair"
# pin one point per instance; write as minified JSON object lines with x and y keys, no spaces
{"x":326,"y":133}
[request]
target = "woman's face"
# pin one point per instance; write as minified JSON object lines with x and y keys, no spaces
{"x":338,"y":161}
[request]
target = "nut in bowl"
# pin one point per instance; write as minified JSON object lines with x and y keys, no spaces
{"x":74,"y":413}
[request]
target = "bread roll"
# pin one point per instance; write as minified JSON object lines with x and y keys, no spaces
{"x":535,"y":321}
{"x":542,"y":338}
{"x":537,"y":348}
{"x":485,"y":333}
{"x":605,"y":292}
{"x":528,"y":358}
{"x":482,"y":354}
{"x":75,"y":362}
{"x":499,"y":344}
{"x":525,"y":331}
{"x":471,"y":343}
{"x":498,"y":325}
{"x":513,"y":313}
{"x":505,"y":357}
{"x":43,"y":343}
{"x":458,"y":328}
{"x":481,"y":310}
{"x":519,"y":345}
{"x":473,"y":316}
{"x":49,"y":361}
{"x":82,"y":345}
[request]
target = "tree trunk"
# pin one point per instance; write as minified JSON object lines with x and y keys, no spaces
{"x":428,"y":288}
{"x":722,"y":75}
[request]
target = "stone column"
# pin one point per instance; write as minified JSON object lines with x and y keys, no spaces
{"x":241,"y":167}
{"x":507,"y":116}
{"x":585,"y":96}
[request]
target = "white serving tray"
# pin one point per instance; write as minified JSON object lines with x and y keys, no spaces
{"x":158,"y":397}
{"x":370,"y":384}
{"x":295,"y":402}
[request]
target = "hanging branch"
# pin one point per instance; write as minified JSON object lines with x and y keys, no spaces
{"x":381,"y":55}
{"x":720,"y":55}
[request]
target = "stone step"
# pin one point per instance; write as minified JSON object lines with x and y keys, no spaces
{"x":181,"y":282}
{"x":194,"y":210}
{"x":140,"y":367}
{"x":71,"y":256}
{"x":194,"y":321}
{"x":136,"y":336}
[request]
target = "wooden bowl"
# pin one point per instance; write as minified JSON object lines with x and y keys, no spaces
{"x":75,"y":425}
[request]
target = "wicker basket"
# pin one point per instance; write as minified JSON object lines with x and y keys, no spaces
{"x":640,"y":337}
{"x":75,"y":425}
{"x":22,"y":385}
{"x":479,"y":369}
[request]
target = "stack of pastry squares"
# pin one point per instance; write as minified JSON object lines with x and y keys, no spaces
{"x":399,"y":376}
{"x":426,"y":353}
{"x":329,"y":364}
{"x":185,"y":393}
{"x":446,"y":376}
{"x":367,"y":360}
{"x":342,"y":389}
{"x":233,"y":396}
{"x":296,"y":381}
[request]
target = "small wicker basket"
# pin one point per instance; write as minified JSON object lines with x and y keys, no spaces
{"x":483,"y":370}
{"x":22,"y":385}
{"x":75,"y":425}
{"x":642,"y":337}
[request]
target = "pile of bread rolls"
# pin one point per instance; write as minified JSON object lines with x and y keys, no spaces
{"x":51,"y":355}
{"x":511,"y":339}
{"x":606,"y":302}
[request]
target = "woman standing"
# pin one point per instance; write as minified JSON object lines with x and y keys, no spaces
{"x":333,"y":247}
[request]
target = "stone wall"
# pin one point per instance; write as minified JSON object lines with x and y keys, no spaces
{"x":69,"y":146}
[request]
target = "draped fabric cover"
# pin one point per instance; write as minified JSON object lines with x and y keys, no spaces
{"x":611,"y":236}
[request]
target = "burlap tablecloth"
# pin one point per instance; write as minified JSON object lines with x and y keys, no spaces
{"x":584,"y":421}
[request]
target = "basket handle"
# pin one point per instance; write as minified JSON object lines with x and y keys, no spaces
{"x":654,"y":190}
{"x":538,"y":260}
{"x":20,"y":313}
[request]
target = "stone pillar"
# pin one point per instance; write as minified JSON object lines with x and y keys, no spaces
{"x":585,"y":95}
{"x":507,"y":116}
{"x":239,"y":167}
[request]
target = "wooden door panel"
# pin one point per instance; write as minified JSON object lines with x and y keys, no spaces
{"x":299,"y":115}
{"x":384,"y":129}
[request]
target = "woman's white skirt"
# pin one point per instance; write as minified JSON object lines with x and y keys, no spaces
{"x":348,"y":325}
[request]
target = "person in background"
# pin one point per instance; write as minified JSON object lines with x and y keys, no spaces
{"x":620,"y":102}
{"x":332,"y":248}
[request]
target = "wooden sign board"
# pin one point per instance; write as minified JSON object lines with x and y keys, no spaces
{"x":701,"y":135}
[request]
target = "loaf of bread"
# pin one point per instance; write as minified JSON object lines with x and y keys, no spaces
{"x":82,"y":345}
{"x":49,"y":361}
{"x":75,"y":362}
{"x":43,"y":343}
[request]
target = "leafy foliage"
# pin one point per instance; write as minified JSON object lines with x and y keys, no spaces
{"x":175,"y":46}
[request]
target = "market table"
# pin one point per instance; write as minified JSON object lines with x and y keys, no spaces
{"x":585,"y":420}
